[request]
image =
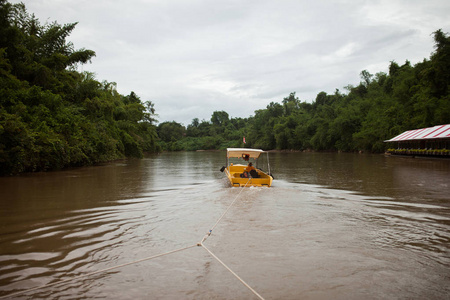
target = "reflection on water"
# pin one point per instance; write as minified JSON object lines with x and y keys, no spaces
{"x":407,"y":179}
{"x":341,"y":226}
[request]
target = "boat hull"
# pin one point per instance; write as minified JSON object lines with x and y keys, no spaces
{"x":234,"y":176}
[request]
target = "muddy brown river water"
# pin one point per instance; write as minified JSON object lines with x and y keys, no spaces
{"x":332,"y":226}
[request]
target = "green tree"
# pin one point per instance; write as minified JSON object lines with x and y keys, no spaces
{"x":439,"y":73}
{"x":219,"y":118}
{"x":52,"y":116}
{"x":291,"y":104}
{"x":170,"y":131}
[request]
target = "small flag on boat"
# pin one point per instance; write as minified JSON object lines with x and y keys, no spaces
{"x":243,"y":139}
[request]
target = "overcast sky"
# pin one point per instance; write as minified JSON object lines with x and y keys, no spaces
{"x":194,"y":57}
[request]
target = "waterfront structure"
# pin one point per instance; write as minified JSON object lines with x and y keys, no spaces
{"x":430,"y":141}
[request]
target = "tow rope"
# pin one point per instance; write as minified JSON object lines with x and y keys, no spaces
{"x":200,"y":244}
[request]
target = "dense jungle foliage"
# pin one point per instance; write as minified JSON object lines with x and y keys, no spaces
{"x":379,"y":108}
{"x":52,"y":116}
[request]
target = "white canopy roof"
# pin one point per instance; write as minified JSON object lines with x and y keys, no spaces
{"x":238,"y":152}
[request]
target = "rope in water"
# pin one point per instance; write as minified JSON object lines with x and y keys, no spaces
{"x":221,"y":262}
{"x":95,"y":272}
{"x":225,"y":212}
{"x":149,"y":258}
{"x":231,"y":271}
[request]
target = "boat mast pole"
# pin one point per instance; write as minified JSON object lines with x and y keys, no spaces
{"x":227,"y":163}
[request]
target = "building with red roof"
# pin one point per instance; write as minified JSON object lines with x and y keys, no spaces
{"x":430,"y":141}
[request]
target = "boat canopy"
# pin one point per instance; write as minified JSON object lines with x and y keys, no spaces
{"x":240,"y":152}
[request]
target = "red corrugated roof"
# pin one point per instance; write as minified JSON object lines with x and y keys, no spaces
{"x":436,"y":132}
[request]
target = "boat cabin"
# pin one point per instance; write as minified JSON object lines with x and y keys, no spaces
{"x":248,"y":167}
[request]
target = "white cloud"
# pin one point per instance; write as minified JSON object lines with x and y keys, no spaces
{"x":198,"y":56}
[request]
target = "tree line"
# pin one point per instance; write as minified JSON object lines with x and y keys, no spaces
{"x":380,"y":107}
{"x":53,"y":116}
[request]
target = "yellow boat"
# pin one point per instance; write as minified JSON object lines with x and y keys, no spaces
{"x":238,"y":171}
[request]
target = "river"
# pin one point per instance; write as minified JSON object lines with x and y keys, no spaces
{"x":332,"y":226}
